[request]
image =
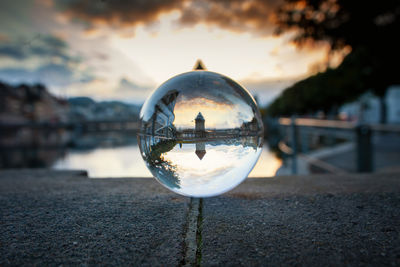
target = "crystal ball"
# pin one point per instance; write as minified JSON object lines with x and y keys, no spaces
{"x":201,"y":133}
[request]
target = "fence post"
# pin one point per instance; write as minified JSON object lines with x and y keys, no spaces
{"x":364,"y":148}
{"x":304,"y":140}
{"x":294,"y":144}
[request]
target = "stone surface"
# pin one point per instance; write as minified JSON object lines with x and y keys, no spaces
{"x":64,"y":218}
{"x":308,"y":221}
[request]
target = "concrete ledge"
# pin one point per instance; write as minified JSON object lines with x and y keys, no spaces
{"x":65,"y":218}
{"x":308,"y":221}
{"x":318,"y":184}
{"x":58,"y":218}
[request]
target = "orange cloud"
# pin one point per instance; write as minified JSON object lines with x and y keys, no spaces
{"x":235,"y":15}
{"x":119,"y":13}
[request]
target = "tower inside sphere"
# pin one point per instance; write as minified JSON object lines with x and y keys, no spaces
{"x":201,"y":133}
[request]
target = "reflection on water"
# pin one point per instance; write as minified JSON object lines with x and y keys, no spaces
{"x":207,"y":171}
{"x":105,"y":162}
{"x":114,"y":154}
{"x":196,"y":167}
{"x":126,"y":161}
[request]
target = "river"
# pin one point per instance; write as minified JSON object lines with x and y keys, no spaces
{"x":126,"y":161}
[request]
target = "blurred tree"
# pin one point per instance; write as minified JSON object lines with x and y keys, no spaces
{"x":324,"y":91}
{"x":370,"y":28}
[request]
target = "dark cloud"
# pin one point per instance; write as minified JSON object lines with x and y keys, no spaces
{"x":50,"y":62}
{"x":236,"y":15}
{"x":50,"y":74}
{"x":54,"y":42}
{"x":117,"y":12}
{"x":42,"y":46}
{"x":58,"y":75}
{"x":125,"y":84}
{"x":12,"y":51}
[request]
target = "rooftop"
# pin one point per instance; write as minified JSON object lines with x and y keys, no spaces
{"x":200,"y":116}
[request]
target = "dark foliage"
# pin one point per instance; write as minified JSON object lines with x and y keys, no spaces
{"x":369,"y":27}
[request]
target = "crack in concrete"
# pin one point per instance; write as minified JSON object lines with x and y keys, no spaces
{"x":193,"y":234}
{"x":199,"y":237}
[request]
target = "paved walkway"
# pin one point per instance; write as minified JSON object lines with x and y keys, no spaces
{"x":65,"y":218}
{"x":385,"y":157}
{"x":342,"y":158}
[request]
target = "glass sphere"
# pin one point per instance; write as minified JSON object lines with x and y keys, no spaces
{"x":201,"y":133}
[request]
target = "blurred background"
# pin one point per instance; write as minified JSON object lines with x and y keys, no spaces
{"x":325,"y":74}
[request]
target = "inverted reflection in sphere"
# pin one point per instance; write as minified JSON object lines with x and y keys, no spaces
{"x":201,"y":133}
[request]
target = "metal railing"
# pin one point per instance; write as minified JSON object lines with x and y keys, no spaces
{"x":360,"y":133}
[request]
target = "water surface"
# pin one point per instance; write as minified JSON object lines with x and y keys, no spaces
{"x":126,"y":161}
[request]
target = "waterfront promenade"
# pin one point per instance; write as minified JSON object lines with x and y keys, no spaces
{"x":65,"y":218}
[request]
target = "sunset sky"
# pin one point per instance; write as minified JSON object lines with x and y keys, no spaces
{"x":115,"y":49}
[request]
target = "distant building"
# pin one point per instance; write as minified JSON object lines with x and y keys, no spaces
{"x":248,"y":127}
{"x":393,"y":103}
{"x":161,"y":122}
{"x":200,"y":150}
{"x":366,"y":108}
{"x":199,"y":125}
{"x":200,"y":132}
{"x":23,"y":104}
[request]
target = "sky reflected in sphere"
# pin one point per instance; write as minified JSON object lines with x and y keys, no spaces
{"x":201,"y":133}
